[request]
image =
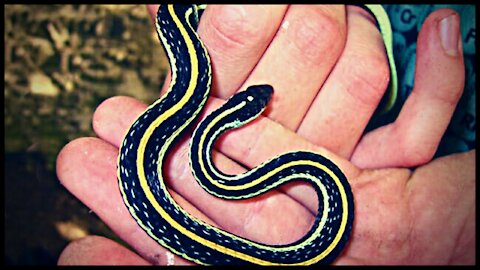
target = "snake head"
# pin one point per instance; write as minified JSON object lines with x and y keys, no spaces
{"x":251,"y":102}
{"x":240,"y":109}
{"x":258,"y":95}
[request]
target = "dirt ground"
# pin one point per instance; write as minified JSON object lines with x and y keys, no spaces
{"x":61,"y":61}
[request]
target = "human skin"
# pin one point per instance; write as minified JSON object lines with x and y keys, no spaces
{"x":329,"y":71}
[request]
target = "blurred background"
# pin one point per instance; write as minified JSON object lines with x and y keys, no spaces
{"x":62,"y":61}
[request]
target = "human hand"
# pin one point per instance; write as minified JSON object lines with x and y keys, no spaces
{"x":391,"y":213}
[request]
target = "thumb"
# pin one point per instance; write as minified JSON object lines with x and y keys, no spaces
{"x":414,"y":136}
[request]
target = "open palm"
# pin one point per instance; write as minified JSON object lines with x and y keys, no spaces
{"x":329,"y":71}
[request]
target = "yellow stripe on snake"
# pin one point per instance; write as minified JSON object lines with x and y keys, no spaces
{"x":152,"y":135}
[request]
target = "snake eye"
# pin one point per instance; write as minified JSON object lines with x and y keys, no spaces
{"x":259,"y":93}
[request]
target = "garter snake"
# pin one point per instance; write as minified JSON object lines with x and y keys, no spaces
{"x":151,"y":137}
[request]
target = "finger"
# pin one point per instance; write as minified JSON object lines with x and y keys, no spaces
{"x":315,"y":26}
{"x":114,"y":116}
{"x":236,"y":43}
{"x":249,"y":218}
{"x":250,"y":145}
{"x":340,"y":112}
{"x":299,"y":59}
{"x":97,"y":250}
{"x":236,"y":36}
{"x":258,"y":219}
{"x":152,"y":10}
{"x":87,"y":168}
{"x":439,"y":79}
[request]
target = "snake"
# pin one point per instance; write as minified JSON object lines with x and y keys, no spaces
{"x":151,"y":137}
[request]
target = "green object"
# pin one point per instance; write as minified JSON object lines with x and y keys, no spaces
{"x":386,"y":30}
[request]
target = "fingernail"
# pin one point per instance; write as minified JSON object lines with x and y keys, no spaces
{"x":449,"y":29}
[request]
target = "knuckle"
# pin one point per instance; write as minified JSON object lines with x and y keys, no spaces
{"x":415,"y":153}
{"x":369,"y":75}
{"x":415,"y":156}
{"x":449,"y":93}
{"x":315,"y":34}
{"x":233,"y":27}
